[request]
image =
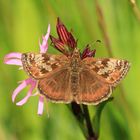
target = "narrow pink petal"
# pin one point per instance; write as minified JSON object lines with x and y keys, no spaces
{"x":31,"y":82}
{"x":44,"y":45}
{"x":48,"y":33}
{"x":13,"y":55}
{"x":22,"y":86}
{"x":13,"y":62}
{"x":40,"y":105}
{"x":25,"y":99}
{"x":18,"y":89}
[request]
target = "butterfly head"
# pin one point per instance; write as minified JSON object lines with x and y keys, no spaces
{"x":76,"y":53}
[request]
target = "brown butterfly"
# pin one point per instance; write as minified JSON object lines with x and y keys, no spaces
{"x":67,"y":79}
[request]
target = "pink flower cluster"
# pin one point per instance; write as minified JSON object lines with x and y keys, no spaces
{"x":14,"y":58}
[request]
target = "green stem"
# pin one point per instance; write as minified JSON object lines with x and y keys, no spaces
{"x":91,"y":133}
{"x":78,"y":114}
{"x":82,"y":116}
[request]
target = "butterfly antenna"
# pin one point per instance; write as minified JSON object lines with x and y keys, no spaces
{"x":94,"y":43}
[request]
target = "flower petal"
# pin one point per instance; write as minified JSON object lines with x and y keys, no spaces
{"x":18,"y":89}
{"x":65,"y":36}
{"x":25,"y":99}
{"x":62,"y":31}
{"x":21,"y":86}
{"x":40,"y":105}
{"x":48,"y":33}
{"x":71,"y":41}
{"x":13,"y":62}
{"x":58,"y":45}
{"x":13,"y":55}
{"x":87,"y":52}
{"x":44,"y":45}
{"x":91,"y":53}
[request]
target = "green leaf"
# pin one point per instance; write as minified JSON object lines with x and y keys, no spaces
{"x":97,"y":116}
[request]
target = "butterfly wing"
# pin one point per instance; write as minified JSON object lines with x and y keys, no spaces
{"x":56,"y":86}
{"x":39,"y":65}
{"x":93,"y":90}
{"x":109,"y":69}
{"x":98,"y":77}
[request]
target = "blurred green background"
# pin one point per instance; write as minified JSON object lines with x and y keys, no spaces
{"x":22,"y":24}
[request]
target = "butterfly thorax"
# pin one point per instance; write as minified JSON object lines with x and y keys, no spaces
{"x":75,"y":69}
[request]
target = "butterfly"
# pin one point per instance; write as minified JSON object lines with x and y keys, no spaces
{"x":65,"y":79}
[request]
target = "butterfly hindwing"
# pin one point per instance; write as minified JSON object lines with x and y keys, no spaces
{"x":93,"y":90}
{"x":56,"y":86}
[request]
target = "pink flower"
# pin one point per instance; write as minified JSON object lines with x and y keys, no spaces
{"x":65,"y":42}
{"x":14,"y":58}
{"x":87,"y":52}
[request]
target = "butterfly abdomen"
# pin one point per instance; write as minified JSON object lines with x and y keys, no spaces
{"x":74,"y":76}
{"x":74,"y":83}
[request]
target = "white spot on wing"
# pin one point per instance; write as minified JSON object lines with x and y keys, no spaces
{"x":111,"y":65}
{"x":98,"y":63}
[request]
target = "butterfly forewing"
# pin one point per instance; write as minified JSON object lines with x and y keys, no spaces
{"x":39,"y":65}
{"x":109,"y":70}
